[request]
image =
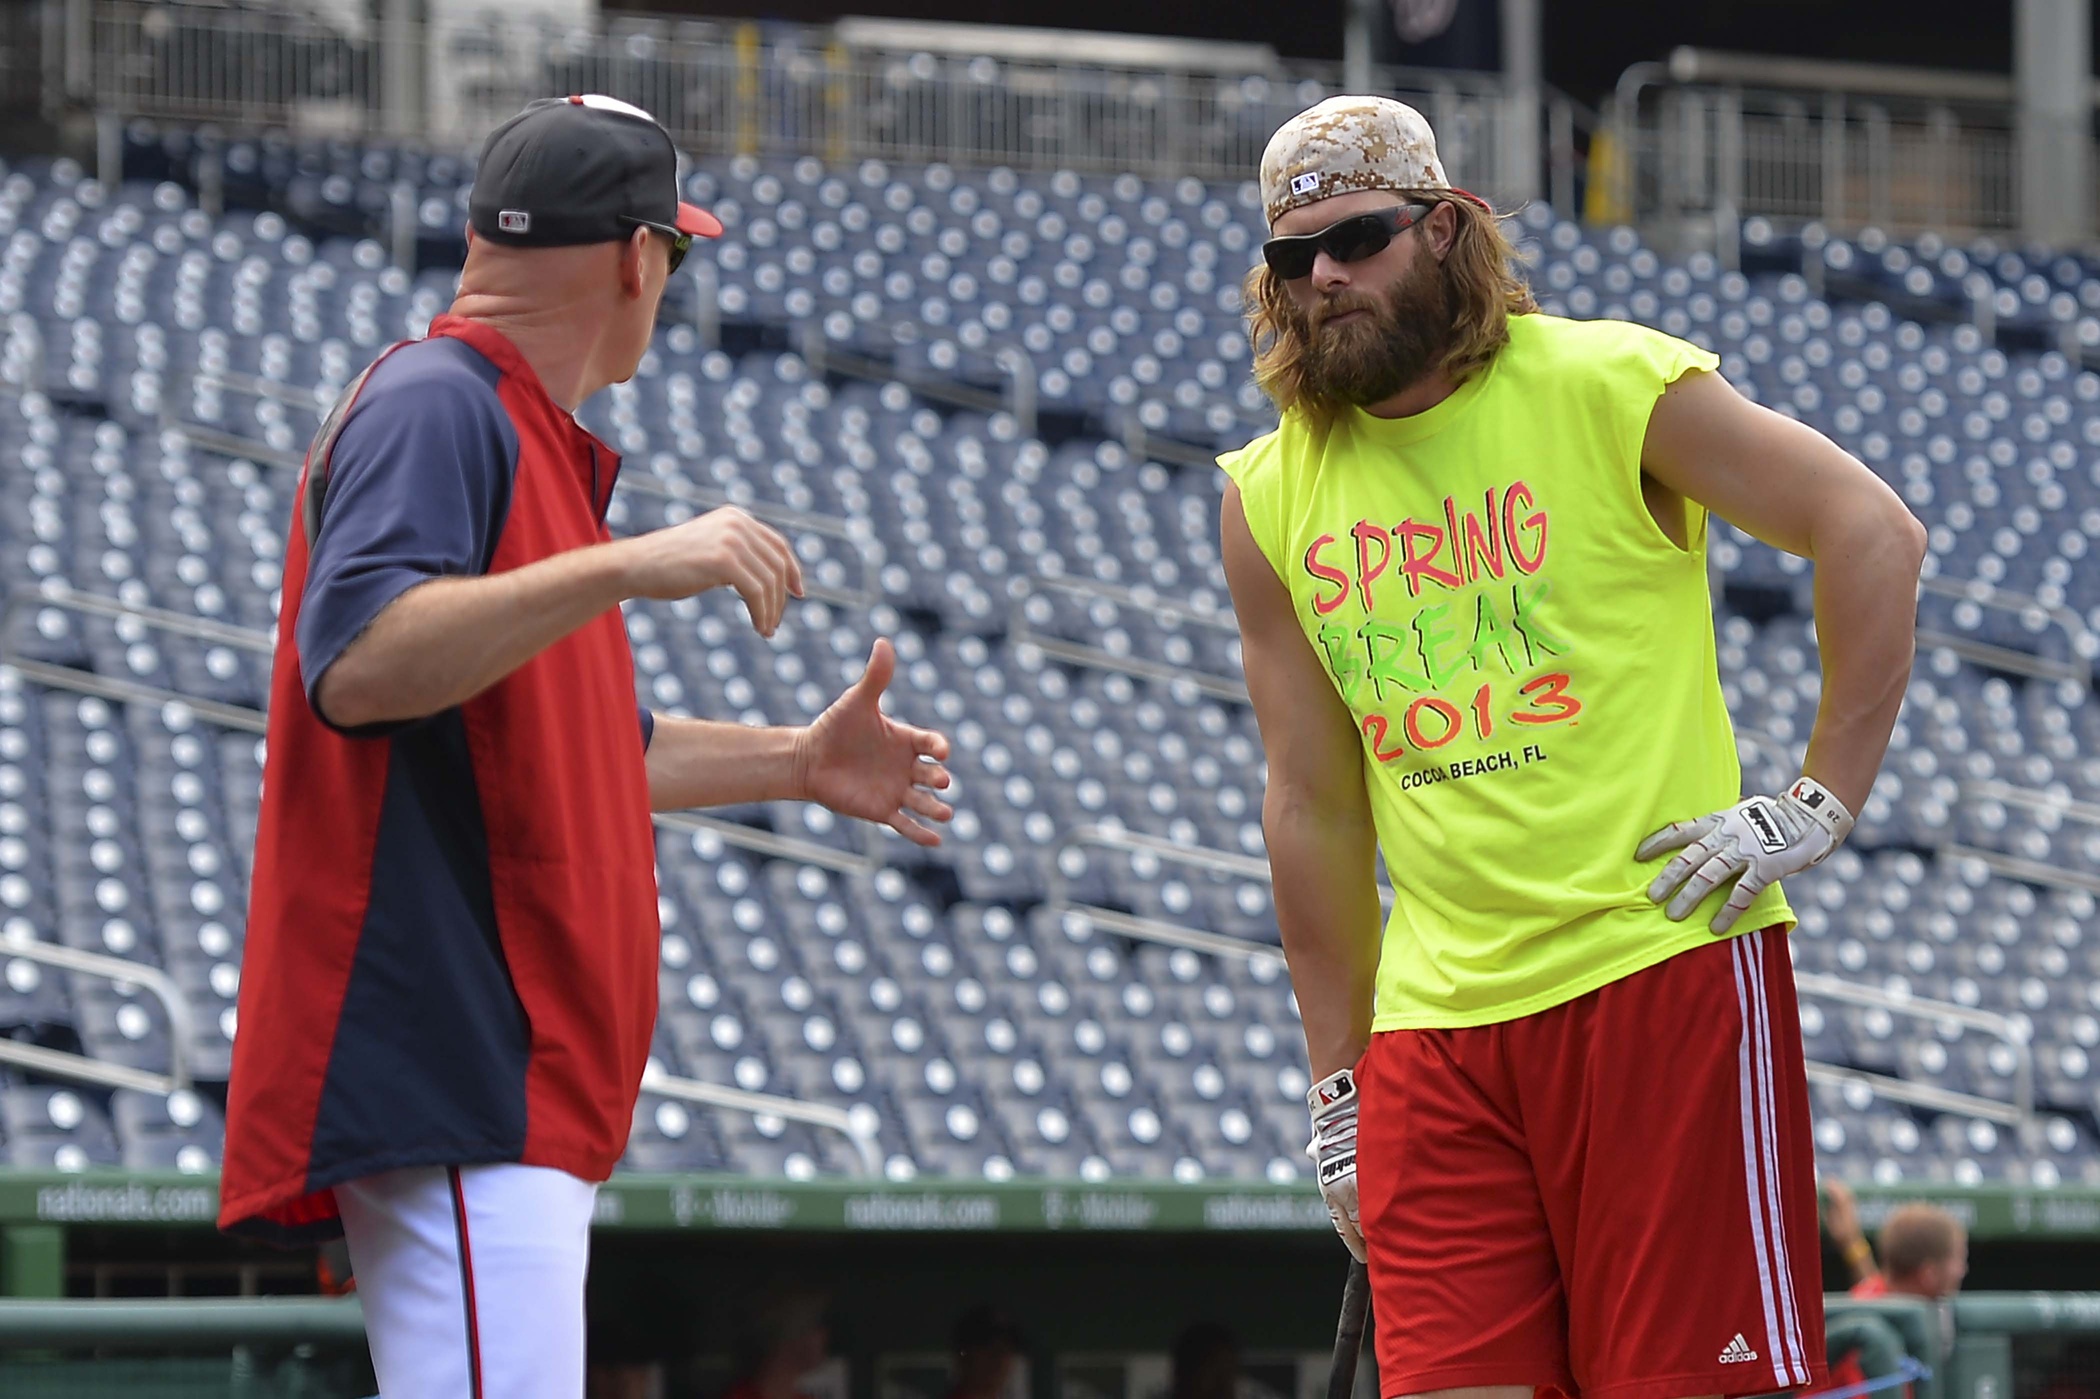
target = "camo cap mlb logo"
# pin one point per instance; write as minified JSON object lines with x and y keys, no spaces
{"x":1351,"y":143}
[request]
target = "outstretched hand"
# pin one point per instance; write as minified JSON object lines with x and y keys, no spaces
{"x":860,"y":762}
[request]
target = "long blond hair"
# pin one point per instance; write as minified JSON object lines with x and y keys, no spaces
{"x":1481,"y":289}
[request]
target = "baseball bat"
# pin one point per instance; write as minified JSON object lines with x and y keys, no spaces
{"x":1349,"y":1331}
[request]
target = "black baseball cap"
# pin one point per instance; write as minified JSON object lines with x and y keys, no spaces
{"x":585,"y":169}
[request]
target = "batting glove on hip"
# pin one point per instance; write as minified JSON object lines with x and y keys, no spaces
{"x":1332,"y":1102}
{"x":1757,"y":843}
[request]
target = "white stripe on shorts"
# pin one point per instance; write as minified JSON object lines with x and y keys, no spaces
{"x":1789,"y":1310}
{"x":1752,"y":1056}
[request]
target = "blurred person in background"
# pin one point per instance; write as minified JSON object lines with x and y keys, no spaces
{"x":989,"y":1354}
{"x":1206,"y":1363}
{"x":1924,"y":1249}
{"x":786,"y":1338}
{"x":1925,"y":1255}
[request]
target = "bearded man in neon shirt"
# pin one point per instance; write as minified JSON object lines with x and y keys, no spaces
{"x":1559,"y":1104}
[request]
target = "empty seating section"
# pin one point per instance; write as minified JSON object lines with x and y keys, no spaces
{"x":161,"y":370}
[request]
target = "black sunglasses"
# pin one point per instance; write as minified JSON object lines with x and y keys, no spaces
{"x":681,"y":241}
{"x":1346,"y":240}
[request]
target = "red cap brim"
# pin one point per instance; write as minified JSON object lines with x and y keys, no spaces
{"x":698,"y":222}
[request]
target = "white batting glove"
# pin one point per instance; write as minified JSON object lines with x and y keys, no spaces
{"x":1756,"y":842}
{"x":1332,"y":1102}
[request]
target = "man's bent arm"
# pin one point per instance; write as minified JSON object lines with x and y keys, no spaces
{"x":699,"y":762}
{"x":1316,"y":815}
{"x":1794,"y":488}
{"x":443,"y":642}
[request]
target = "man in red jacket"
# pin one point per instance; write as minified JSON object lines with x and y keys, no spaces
{"x":449,"y":985}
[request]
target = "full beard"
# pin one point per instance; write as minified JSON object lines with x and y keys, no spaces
{"x":1372,"y":357}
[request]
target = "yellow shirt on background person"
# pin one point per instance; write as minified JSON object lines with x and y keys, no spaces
{"x":1529,"y":660}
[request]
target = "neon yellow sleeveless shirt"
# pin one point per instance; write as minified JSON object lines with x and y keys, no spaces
{"x":1529,"y":660}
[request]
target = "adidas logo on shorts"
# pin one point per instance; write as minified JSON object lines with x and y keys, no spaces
{"x":1737,"y":1351}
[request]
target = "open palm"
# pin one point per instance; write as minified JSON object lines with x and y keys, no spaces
{"x":860,"y":762}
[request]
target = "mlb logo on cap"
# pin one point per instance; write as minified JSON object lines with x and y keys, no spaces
{"x":580,"y":169}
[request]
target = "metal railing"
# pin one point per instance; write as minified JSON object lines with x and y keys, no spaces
{"x":84,"y":1069}
{"x":634,"y":481}
{"x":2084,"y":644}
{"x":2021,"y":868}
{"x":2060,"y":803}
{"x":253,"y":720}
{"x":1021,"y":632}
{"x":1721,"y":137}
{"x":2017,"y":1112}
{"x":1154,"y":930}
{"x":81,"y":1068}
{"x":850,"y":92}
{"x":716,"y":1095}
{"x":178,"y":1323}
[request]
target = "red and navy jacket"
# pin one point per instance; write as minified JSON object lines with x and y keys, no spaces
{"x":452,"y":927}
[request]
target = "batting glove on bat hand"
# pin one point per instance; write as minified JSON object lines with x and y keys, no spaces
{"x":1757,"y":843}
{"x":1332,"y":1102}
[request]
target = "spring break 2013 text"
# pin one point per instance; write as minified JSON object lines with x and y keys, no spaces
{"x":1442,"y":601}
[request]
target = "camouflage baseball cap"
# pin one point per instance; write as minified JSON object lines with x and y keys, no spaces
{"x":1350,"y":143}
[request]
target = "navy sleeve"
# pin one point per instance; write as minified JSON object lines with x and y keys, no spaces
{"x":418,"y":486}
{"x":648,"y":725}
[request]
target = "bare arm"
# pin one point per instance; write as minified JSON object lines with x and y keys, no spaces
{"x":1841,"y":1218}
{"x":1797,"y":490}
{"x":854,"y":759}
{"x":1316,"y":815}
{"x":443,"y":642}
{"x":700,"y":762}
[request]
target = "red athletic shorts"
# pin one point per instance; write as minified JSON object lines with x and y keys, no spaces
{"x":1614,"y":1197}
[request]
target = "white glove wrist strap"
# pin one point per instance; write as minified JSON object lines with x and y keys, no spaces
{"x":1821,"y":806}
{"x":1335,"y":1091}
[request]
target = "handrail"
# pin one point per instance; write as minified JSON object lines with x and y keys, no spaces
{"x":1102,"y":836}
{"x":1140,"y":599}
{"x":2018,"y":867}
{"x":1924,"y":1095}
{"x":180,"y":1323}
{"x":80,"y":1068}
{"x":56,"y":594}
{"x":781,"y":517}
{"x":1695,"y":65}
{"x":81,"y":682}
{"x":1132,"y":925}
{"x":1020,"y":386}
{"x":2005,"y":658}
{"x":1939,"y":1012}
{"x":1094,"y":658}
{"x":258,"y":387}
{"x":2035,"y":799}
{"x":227,"y":444}
{"x":1105,"y":837}
{"x":865,"y":1144}
{"x":181,"y":1023}
{"x":1765,"y":743}
{"x":179,"y":1019}
{"x":1986,"y":594}
{"x":1146,"y":929}
{"x":247,"y":720}
{"x":758,"y":842}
